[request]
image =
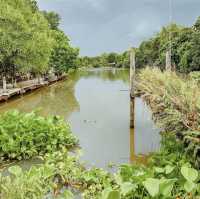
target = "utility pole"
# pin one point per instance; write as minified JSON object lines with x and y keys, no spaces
{"x":169,"y":51}
{"x":168,"y":60}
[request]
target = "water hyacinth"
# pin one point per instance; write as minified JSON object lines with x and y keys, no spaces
{"x":25,"y":135}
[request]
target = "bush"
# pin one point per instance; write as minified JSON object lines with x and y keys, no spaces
{"x":24,"y":135}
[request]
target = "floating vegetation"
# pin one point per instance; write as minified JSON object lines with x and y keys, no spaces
{"x":25,"y":135}
{"x":168,"y":175}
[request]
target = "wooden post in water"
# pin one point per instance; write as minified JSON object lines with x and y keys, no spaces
{"x":132,"y":78}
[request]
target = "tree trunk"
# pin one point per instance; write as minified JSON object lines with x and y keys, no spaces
{"x":39,"y":79}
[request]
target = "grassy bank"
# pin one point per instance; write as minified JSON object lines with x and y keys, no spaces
{"x":175,"y":103}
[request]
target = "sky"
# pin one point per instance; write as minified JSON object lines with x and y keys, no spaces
{"x":97,"y":26}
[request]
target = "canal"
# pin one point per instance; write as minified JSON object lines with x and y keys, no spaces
{"x":96,"y":104}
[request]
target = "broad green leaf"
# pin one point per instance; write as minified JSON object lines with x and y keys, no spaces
{"x":166,"y":186}
{"x":189,"y":186}
{"x":169,"y":169}
{"x":114,"y":195}
{"x":109,"y":193}
{"x":105,"y":193}
{"x":127,"y":187}
{"x":159,"y":170}
{"x":118,"y":179}
{"x":189,"y":174}
{"x":152,"y":186}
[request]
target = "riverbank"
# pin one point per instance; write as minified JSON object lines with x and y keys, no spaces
{"x":174,"y":102}
{"x":27,"y":86}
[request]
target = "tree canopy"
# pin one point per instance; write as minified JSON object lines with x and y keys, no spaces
{"x":31,"y":41}
{"x":185,"y":43}
{"x":105,"y":60}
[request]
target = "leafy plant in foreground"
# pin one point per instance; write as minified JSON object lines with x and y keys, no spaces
{"x":37,"y":183}
{"x":23,"y":136}
{"x":164,"y":179}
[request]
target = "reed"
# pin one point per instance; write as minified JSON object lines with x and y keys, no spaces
{"x":175,"y":103}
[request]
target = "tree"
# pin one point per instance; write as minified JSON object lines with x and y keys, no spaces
{"x":63,"y":55}
{"x":53,"y":19}
{"x":25,"y":38}
{"x":197,"y":24}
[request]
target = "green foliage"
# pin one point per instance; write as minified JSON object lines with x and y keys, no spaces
{"x":172,"y":177}
{"x":197,"y":24}
{"x":53,"y":19}
{"x":63,"y":56}
{"x":106,"y":60}
{"x":185,"y":43}
{"x":195,"y":76}
{"x":38,"y":182}
{"x":20,"y":185}
{"x":23,"y":136}
{"x":175,"y":105}
{"x":31,"y":41}
{"x":25,"y":38}
{"x":152,"y":52}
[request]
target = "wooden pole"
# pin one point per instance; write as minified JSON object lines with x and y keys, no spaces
{"x":4,"y":84}
{"x":132,"y":78}
{"x":132,"y":145}
{"x":168,"y":61}
{"x":132,"y":106}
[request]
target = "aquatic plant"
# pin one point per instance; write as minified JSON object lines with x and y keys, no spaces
{"x":25,"y":135}
{"x":38,"y":182}
{"x":168,"y":175}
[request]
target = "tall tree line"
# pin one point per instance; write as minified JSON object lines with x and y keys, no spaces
{"x":185,"y":45}
{"x":112,"y":59}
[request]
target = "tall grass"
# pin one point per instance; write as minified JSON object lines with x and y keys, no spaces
{"x":175,"y":103}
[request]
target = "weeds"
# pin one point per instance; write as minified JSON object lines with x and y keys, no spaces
{"x":175,"y":103}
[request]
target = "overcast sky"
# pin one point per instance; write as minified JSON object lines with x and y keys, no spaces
{"x":97,"y":26}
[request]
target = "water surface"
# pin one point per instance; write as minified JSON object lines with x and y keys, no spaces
{"x":96,"y":103}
